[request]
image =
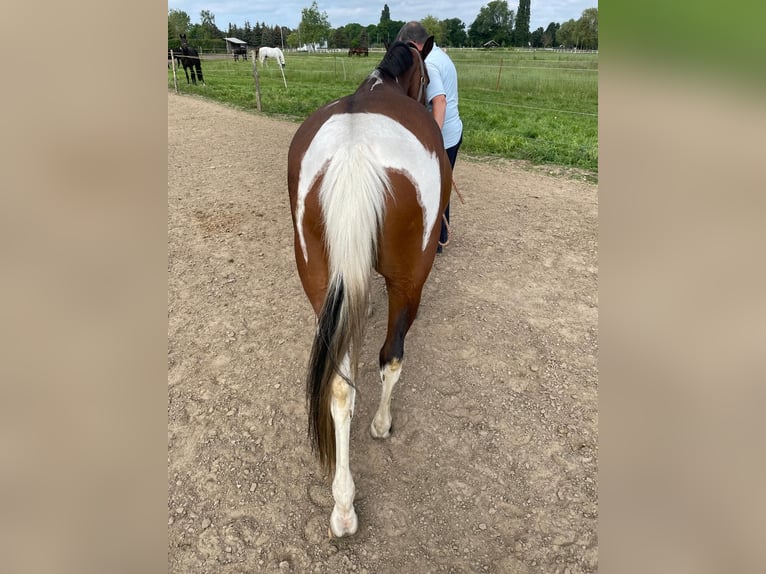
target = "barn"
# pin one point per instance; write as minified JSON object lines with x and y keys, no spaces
{"x":232,"y":43}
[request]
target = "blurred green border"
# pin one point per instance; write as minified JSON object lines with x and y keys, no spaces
{"x":721,"y":41}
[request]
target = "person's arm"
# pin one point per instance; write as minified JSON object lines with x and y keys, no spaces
{"x":439,"y":109}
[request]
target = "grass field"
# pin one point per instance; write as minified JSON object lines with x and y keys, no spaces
{"x":539,"y":106}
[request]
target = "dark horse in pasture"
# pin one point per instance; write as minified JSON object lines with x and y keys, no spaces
{"x":190,"y":60}
{"x":368,"y":180}
{"x":359,"y":51}
{"x":239,"y":51}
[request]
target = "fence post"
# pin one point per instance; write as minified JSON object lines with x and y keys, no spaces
{"x":281,"y":69}
{"x":257,"y":83}
{"x":499,"y":72}
{"x":173,"y":63}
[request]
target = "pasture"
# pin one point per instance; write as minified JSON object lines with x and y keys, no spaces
{"x":540,"y":106}
{"x":492,"y":465}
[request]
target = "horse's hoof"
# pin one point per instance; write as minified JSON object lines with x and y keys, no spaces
{"x":343,"y":524}
{"x":381,"y":433}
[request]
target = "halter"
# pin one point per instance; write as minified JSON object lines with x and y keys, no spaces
{"x":422,"y":86}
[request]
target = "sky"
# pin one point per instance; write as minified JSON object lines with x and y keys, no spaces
{"x":342,"y":12}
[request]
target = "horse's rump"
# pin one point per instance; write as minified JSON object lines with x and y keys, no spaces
{"x":343,"y":141}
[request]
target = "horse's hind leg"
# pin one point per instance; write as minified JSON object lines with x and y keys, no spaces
{"x":199,"y":74}
{"x":405,"y":266}
{"x":343,"y":520}
{"x":402,"y":309}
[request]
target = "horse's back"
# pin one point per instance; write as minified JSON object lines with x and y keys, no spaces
{"x":399,"y":109}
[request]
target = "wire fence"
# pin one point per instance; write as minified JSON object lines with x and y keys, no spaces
{"x":517,"y":99}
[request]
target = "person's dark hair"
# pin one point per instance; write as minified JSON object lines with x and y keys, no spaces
{"x":412,"y":32}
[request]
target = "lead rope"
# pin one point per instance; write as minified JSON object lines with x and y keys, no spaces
{"x":449,"y":231}
{"x":444,"y":217}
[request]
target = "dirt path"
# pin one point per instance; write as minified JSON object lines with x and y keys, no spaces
{"x":492,"y":466}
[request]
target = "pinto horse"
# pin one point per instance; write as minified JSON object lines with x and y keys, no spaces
{"x":191,"y":61}
{"x":368,"y":180}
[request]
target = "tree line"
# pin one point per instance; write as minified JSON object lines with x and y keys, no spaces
{"x":495,"y":22}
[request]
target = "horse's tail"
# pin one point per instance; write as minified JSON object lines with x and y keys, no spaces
{"x":352,"y":197}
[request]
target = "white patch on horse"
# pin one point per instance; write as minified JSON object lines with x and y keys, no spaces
{"x":384,"y":139}
{"x":343,"y":519}
{"x":378,"y":80}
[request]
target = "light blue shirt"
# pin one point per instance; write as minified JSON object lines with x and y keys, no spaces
{"x":443,"y":81}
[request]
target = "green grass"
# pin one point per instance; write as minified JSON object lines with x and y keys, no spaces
{"x":537,"y":106}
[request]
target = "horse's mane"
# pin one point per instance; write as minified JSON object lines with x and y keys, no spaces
{"x":398,"y":59}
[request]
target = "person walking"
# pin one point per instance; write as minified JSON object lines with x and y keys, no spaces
{"x":442,"y":100}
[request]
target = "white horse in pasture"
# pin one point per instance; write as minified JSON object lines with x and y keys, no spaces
{"x":266,"y":52}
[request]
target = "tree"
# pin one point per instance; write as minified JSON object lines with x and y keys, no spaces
{"x":314,"y":26}
{"x":268,"y":37}
{"x":247,"y":34}
{"x":582,"y":33}
{"x":536,"y":38}
{"x":338,"y":38}
{"x":587,"y":29}
{"x":494,"y":22}
{"x":549,"y":36}
{"x":370,"y":32}
{"x":257,"y":34}
{"x":178,"y":23}
{"x":351,"y":35}
{"x":566,"y":35}
{"x":521,"y":28}
{"x":207,"y":25}
{"x":434,"y":28}
{"x":455,"y":32}
{"x":387,"y":28}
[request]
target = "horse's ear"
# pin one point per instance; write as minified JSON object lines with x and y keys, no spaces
{"x":427,"y":47}
{"x":386,"y":45}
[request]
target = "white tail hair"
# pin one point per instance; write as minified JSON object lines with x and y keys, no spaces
{"x":352,"y":198}
{"x":353,"y":204}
